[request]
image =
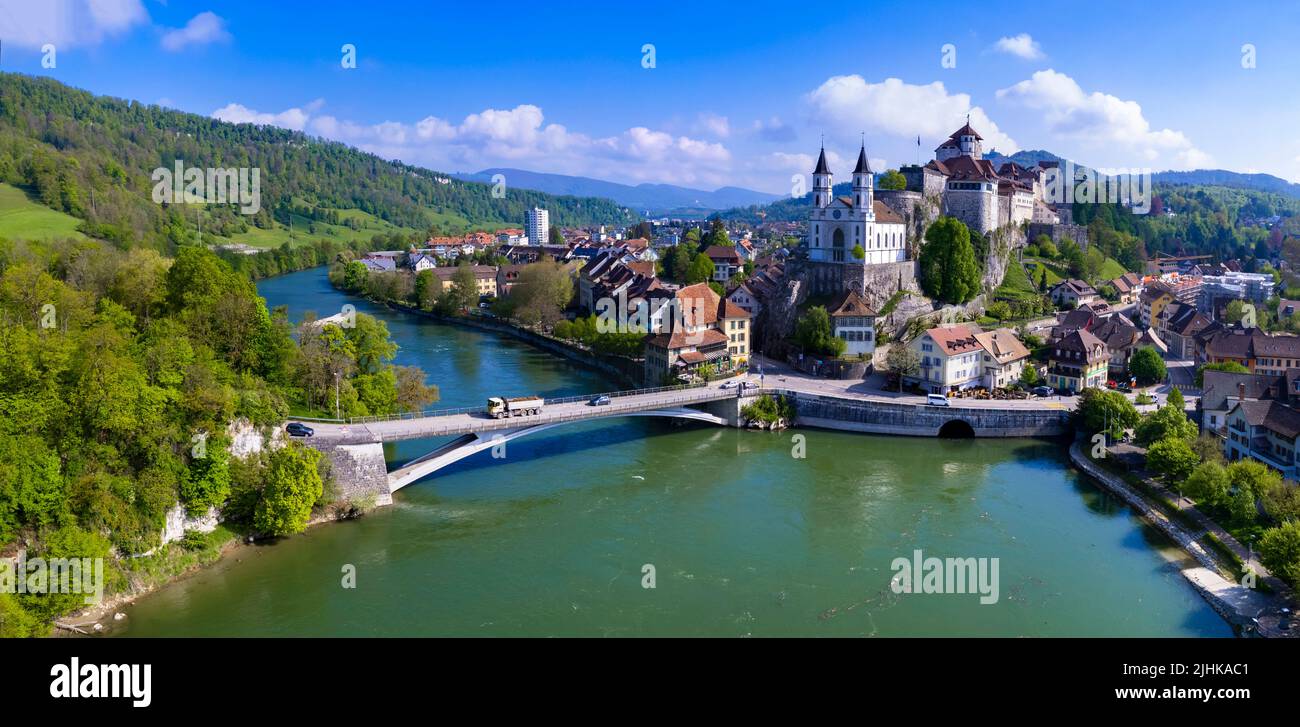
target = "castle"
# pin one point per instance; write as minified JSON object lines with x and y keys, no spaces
{"x":970,"y":189}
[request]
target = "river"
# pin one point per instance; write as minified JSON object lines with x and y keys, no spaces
{"x":744,"y":538}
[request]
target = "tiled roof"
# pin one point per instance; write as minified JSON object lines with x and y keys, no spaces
{"x":850,"y":304}
{"x":955,"y":339}
{"x":723,"y":252}
{"x":1003,"y":345}
{"x":885,"y":214}
{"x":966,"y":131}
{"x":1271,"y":415}
{"x":1220,"y":386}
{"x":1081,"y":342}
{"x":968,"y":168}
{"x":682,"y":339}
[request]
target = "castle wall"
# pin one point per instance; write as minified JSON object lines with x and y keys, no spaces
{"x":1058,"y":232}
{"x":978,"y":209}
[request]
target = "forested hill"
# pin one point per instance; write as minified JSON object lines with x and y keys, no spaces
{"x":92,"y":157}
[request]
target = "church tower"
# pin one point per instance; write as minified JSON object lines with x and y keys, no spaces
{"x":862,"y":192}
{"x":822,"y":182}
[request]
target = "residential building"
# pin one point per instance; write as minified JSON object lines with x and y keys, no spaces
{"x":1073,"y":293}
{"x":421,"y":261}
{"x":537,"y":226}
{"x":1178,"y":324}
{"x":1078,"y":361}
{"x":1079,"y":319}
{"x":1265,"y":431}
{"x":1152,"y":301}
{"x":380,"y":263}
{"x":853,"y":321}
{"x":1257,"y":351}
{"x":704,"y":329}
{"x":485,"y":277}
{"x":1003,"y":359}
{"x":506,"y":277}
{"x":746,"y":298}
{"x":1128,"y":287}
{"x":1121,"y":339}
{"x":950,"y":359}
{"x":726,"y":261}
{"x":1221,"y":390}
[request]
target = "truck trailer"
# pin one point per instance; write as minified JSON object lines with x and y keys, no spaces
{"x":499,"y":407}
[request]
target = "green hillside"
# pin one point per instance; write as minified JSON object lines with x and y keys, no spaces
{"x":22,"y":218}
{"x":92,"y":157}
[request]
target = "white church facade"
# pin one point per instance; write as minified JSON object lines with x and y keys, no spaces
{"x":838,"y":225}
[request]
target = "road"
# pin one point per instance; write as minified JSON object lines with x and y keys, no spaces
{"x":464,"y":421}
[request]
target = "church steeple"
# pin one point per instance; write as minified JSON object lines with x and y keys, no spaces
{"x":862,"y":183}
{"x":863,"y":166}
{"x":822,"y":167}
{"x":822,"y":181}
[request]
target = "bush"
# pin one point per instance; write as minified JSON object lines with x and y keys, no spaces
{"x":768,"y":409}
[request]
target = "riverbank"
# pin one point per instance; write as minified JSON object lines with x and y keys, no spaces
{"x":1245,"y":608}
{"x":628,"y":372}
{"x":748,"y":539}
{"x":173,"y":564}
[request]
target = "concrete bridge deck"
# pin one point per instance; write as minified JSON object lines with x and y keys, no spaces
{"x":476,"y":420}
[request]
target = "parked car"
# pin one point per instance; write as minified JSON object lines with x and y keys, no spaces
{"x":1043,"y":391}
{"x":936,"y":400}
{"x":601,"y":400}
{"x":298,"y":429}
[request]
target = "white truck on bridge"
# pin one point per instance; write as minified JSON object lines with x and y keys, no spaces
{"x":500,"y":407}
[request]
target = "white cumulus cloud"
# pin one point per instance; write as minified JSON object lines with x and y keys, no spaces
{"x":517,"y":137}
{"x":67,"y":23}
{"x":849,"y":104}
{"x":1020,"y":46}
{"x":204,"y":28}
{"x":294,"y":118}
{"x":1114,"y":128}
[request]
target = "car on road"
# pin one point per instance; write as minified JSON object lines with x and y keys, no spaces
{"x":936,"y":400}
{"x":729,"y":384}
{"x":298,"y":429}
{"x":601,"y":400}
{"x":1043,"y":391}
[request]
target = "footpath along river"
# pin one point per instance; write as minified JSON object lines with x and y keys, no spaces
{"x":745,"y":539}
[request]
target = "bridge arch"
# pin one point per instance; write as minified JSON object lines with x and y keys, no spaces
{"x":956,"y":429}
{"x":471,"y":444}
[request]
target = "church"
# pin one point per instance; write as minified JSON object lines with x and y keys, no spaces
{"x":839,"y":225}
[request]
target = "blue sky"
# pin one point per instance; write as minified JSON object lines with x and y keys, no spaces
{"x":739,"y":94}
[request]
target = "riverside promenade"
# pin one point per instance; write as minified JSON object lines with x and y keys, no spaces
{"x":1249,"y":609}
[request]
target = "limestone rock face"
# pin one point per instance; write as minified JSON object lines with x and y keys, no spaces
{"x":178,"y":521}
{"x":781,"y":313}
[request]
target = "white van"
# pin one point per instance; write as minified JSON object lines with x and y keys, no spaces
{"x":936,"y":400}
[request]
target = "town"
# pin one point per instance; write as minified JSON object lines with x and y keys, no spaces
{"x":332,"y":324}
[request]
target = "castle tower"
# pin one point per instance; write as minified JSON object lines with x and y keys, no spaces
{"x":822,"y":182}
{"x":862,"y":185}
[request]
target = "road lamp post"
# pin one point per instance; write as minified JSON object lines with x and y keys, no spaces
{"x":336,"y":396}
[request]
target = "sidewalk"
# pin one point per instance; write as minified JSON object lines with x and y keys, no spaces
{"x":1248,"y":608}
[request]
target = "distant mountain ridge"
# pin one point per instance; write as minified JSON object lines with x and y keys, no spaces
{"x":645,"y":197}
{"x":1215,"y":177}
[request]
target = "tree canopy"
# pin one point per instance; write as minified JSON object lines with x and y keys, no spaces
{"x":949,"y":271}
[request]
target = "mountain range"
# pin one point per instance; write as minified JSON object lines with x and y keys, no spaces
{"x":645,"y":198}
